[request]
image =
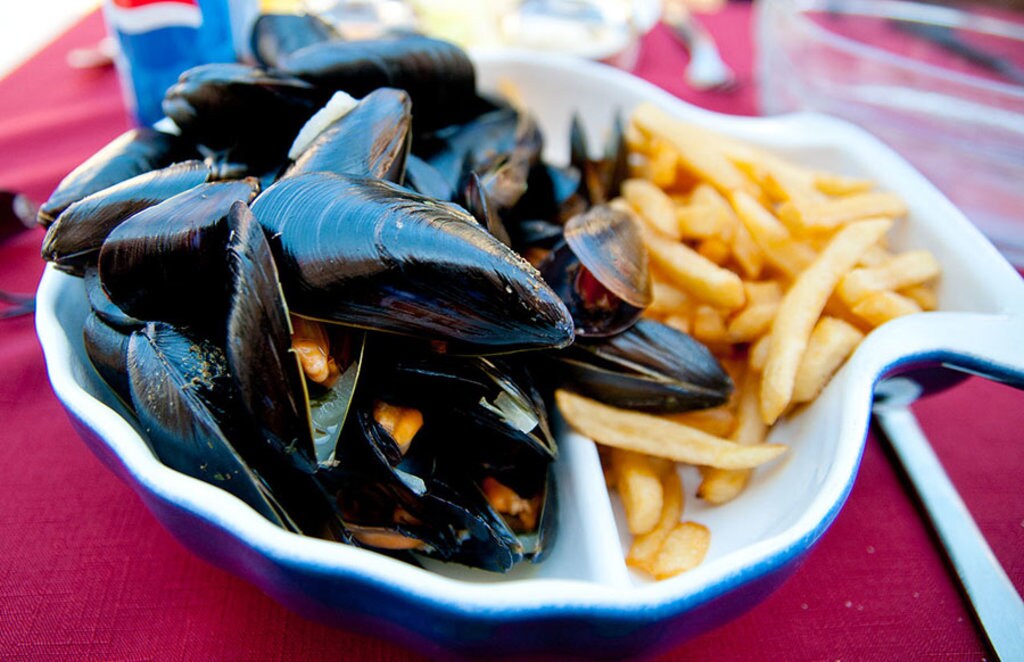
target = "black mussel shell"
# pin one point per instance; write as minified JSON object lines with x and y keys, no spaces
{"x":437,"y":75}
{"x":73,"y":241}
{"x":610,"y":245}
{"x":259,"y":345}
{"x":477,"y":203}
{"x":277,"y":35}
{"x":602,"y":178}
{"x":489,"y":412}
{"x":132,"y":153}
{"x":106,"y":309}
{"x":227,"y":105}
{"x":501,"y":145}
{"x":371,"y":140}
{"x":600,"y":271}
{"x":107,"y":349}
{"x":178,"y":384}
{"x":649,"y":367}
{"x":167,"y":262}
{"x":370,"y":254}
{"x":424,"y":179}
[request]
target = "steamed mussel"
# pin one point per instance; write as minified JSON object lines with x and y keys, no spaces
{"x":336,"y":327}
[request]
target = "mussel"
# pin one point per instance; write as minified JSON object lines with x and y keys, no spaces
{"x":73,"y":241}
{"x":408,"y":264}
{"x":649,"y":367}
{"x":600,"y":270}
{"x":167,"y":261}
{"x":275,"y":36}
{"x":132,"y":153}
{"x":438,"y":76}
{"x":370,"y":140}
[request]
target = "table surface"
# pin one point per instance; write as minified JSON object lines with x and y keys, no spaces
{"x":86,"y":572}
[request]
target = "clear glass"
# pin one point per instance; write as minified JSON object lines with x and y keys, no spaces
{"x":942,"y":86}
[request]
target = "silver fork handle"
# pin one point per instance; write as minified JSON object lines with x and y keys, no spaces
{"x":993,"y":596}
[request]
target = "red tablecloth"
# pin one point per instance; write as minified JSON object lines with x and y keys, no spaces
{"x":87,"y":573}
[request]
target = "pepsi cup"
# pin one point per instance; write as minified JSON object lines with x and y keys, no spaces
{"x":159,"y":39}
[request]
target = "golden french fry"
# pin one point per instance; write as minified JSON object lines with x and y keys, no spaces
{"x":833,"y":184}
{"x":653,"y":206}
{"x":830,"y":214}
{"x":878,"y":308}
{"x":903,"y":270}
{"x":694,"y":273}
{"x":645,"y":547}
{"x":802,"y":305}
{"x":645,"y":433}
{"x":718,"y":421}
{"x":667,"y":299}
{"x":923,"y":295}
{"x":708,"y":326}
{"x":771,"y":236}
{"x":757,"y":356}
{"x":663,"y":159}
{"x":714,"y":250}
{"x":695,"y":149}
{"x":639,"y":485}
{"x":681,"y":323}
{"x":683,"y":549}
{"x":831,"y":342}
{"x":722,"y":485}
{"x":752,"y":322}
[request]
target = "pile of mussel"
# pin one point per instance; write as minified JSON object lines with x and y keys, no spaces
{"x":343,"y":331}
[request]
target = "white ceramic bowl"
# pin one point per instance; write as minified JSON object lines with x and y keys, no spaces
{"x":583,"y":599}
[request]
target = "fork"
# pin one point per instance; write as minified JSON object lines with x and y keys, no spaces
{"x":706,"y":70}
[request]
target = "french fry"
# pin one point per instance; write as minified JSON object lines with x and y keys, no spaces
{"x":757,"y":357}
{"x":771,"y":236}
{"x":877,"y":308}
{"x":802,"y":305}
{"x":695,"y":153}
{"x":922,"y":295}
{"x":718,"y":421}
{"x":683,"y":549}
{"x":714,"y":250}
{"x":653,"y":206}
{"x":833,"y":184}
{"x":667,"y":299}
{"x":708,"y":326}
{"x":639,"y":486}
{"x":645,"y":433}
{"x":722,"y":485}
{"x":900,"y":271}
{"x":831,"y":342}
{"x":830,"y":214}
{"x":645,"y":547}
{"x":663,"y":159}
{"x":694,"y":273}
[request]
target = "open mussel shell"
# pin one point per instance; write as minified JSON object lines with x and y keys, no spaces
{"x":371,"y":140}
{"x":601,"y":179}
{"x":649,"y":367}
{"x":167,"y":262}
{"x":491,"y":412}
{"x":227,"y":104}
{"x":437,"y":75}
{"x":73,"y":241}
{"x":501,"y":145}
{"x":178,"y":384}
{"x":370,"y":254}
{"x":277,"y":35}
{"x":601,"y":271}
{"x":478,"y":204}
{"x":132,"y":153}
{"x":265,"y":370}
